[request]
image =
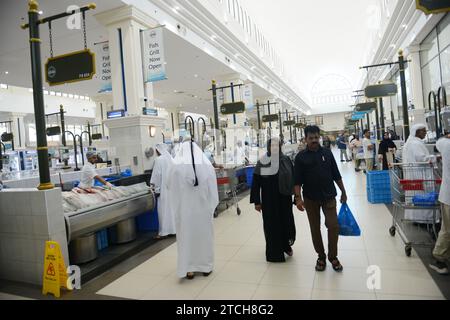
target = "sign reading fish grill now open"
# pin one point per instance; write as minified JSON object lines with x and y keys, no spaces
{"x":153,"y":55}
{"x":71,"y":67}
{"x":433,"y":6}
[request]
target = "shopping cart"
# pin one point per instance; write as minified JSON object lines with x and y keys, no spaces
{"x":414,"y":190}
{"x":227,"y":183}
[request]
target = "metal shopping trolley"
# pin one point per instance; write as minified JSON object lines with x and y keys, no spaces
{"x":227,"y":183}
{"x":415,"y":188}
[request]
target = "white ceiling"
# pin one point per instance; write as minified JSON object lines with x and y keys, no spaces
{"x":322,"y":43}
{"x":184,"y":61}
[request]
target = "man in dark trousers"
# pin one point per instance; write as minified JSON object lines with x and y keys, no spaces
{"x":316,"y":172}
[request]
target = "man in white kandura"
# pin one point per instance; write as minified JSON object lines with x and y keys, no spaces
{"x":415,"y":152}
{"x":441,"y":251}
{"x":193,"y":187}
{"x":161,"y":168}
{"x":89,"y":173}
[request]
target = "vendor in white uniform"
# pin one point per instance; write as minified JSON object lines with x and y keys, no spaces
{"x":89,"y":173}
{"x":415,"y":152}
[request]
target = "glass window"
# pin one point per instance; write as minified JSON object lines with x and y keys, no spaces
{"x":429,"y":48}
{"x":32,"y":133}
{"x":431,"y":79}
{"x":444,"y":33}
{"x":445,"y":60}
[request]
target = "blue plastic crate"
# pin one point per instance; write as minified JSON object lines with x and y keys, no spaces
{"x":148,"y":221}
{"x":102,"y":239}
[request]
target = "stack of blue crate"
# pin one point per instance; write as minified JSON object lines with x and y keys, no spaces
{"x":102,"y":239}
{"x":379,"y":187}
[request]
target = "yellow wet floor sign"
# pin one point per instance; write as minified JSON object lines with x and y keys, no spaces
{"x":55,"y":275}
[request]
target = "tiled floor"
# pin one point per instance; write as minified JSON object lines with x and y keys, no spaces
{"x":241,"y":271}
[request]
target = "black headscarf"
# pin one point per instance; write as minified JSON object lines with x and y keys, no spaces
{"x":285,"y":170}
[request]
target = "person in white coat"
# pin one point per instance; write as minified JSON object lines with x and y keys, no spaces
{"x":159,"y":179}
{"x":415,"y":152}
{"x":193,"y":186}
{"x":441,"y":250}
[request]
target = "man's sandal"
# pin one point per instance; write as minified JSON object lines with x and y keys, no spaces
{"x":337,"y":265}
{"x":321,"y":265}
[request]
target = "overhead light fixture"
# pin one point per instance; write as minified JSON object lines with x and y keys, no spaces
{"x":30,"y":90}
{"x":213,"y":38}
{"x":41,"y":12}
{"x":404,"y":26}
{"x":3,"y":86}
{"x":253,"y":68}
{"x":6,"y":72}
{"x":392,"y":46}
{"x":195,"y":75}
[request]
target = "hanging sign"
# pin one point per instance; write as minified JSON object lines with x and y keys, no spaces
{"x":381,"y":90}
{"x":97,"y":136}
{"x":71,"y":67}
{"x":288,"y":123}
{"x":53,"y":131}
{"x":153,"y":55}
{"x":299,"y":125}
{"x":7,"y":137}
{"x":55,"y":274}
{"x":433,"y":6}
{"x":367,"y":106}
{"x":232,"y":108}
{"x":104,"y":66}
{"x":270,"y":118}
{"x":248,"y":96}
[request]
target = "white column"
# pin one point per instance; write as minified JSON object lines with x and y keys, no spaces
{"x":130,"y":21}
{"x":18,"y":130}
{"x":416,"y":77}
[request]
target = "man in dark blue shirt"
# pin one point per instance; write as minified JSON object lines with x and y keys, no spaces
{"x":342,"y":145}
{"x":316,"y":172}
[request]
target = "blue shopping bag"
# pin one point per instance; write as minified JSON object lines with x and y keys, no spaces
{"x":347,"y":223}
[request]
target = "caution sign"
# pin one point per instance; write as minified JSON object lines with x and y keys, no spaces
{"x":55,"y":275}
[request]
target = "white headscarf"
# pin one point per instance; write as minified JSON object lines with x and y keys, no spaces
{"x":416,"y":128}
{"x":162,"y":149}
{"x":414,"y":150}
{"x":203,"y":167}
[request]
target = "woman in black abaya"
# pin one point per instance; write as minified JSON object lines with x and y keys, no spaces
{"x":386,"y":145}
{"x":272,"y":190}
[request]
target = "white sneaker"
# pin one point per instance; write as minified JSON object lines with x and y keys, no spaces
{"x":439,"y":267}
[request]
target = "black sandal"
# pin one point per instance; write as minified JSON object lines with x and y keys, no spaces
{"x":206,"y":274}
{"x":321,"y":265}
{"x":190,"y":275}
{"x":337,"y":266}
